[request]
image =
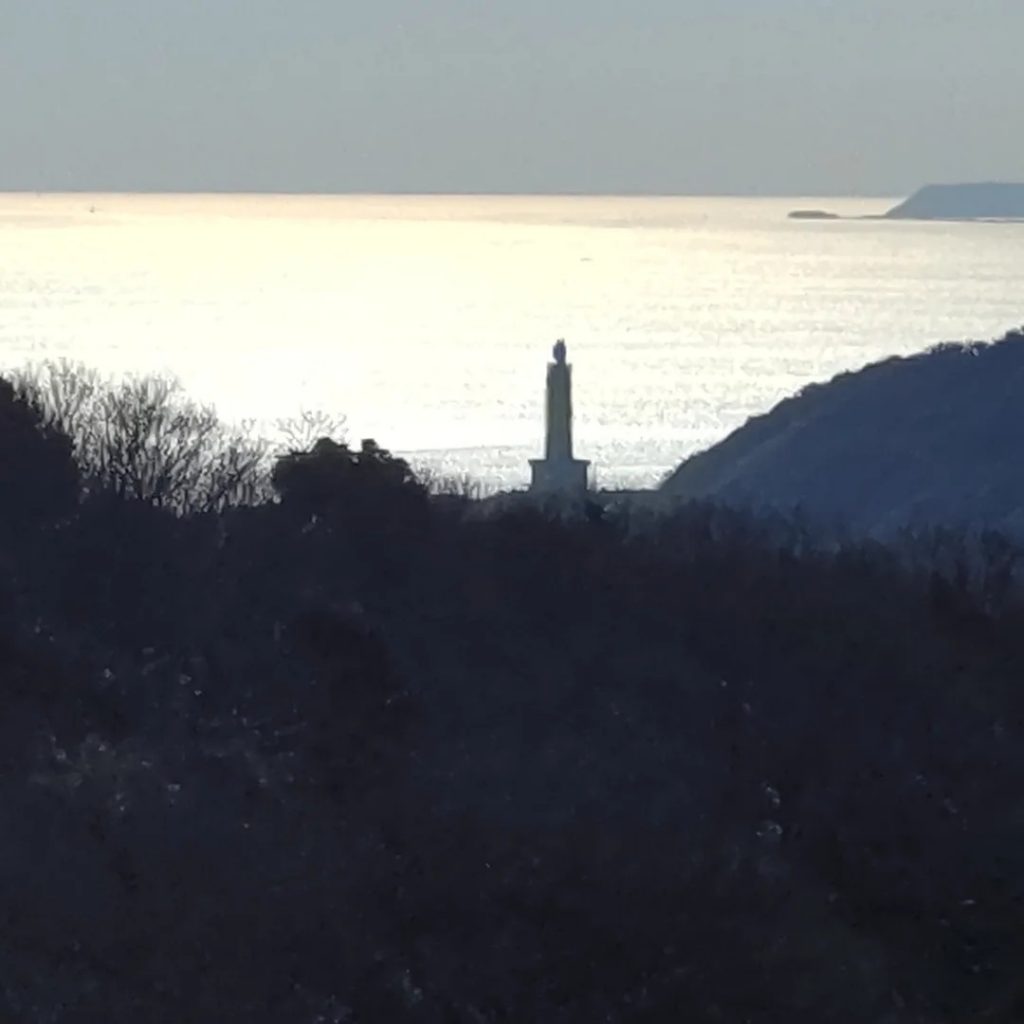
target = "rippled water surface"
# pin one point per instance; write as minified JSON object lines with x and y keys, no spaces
{"x":428,"y":321}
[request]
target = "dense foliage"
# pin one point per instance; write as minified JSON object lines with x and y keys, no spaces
{"x":925,"y":438}
{"x":367,"y":754}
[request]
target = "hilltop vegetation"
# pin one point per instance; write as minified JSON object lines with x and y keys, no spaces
{"x":296,"y":739}
{"x":929,"y":440}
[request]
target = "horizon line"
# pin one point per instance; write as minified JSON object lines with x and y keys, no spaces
{"x":357,"y":193}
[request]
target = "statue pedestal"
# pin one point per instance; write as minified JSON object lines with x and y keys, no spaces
{"x":563,"y":477}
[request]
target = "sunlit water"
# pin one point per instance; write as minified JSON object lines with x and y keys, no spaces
{"x":427,"y":321}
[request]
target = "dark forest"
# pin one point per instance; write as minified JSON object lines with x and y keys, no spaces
{"x":297,"y":736}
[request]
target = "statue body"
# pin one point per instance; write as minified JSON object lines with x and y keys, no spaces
{"x":559,"y":472}
{"x":558,"y":432}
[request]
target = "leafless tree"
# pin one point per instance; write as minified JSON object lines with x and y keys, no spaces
{"x":64,"y":391}
{"x":143,"y":438}
{"x":299,"y":433}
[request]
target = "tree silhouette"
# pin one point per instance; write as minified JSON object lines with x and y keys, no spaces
{"x":38,"y":477}
{"x":331,"y":477}
{"x":144,"y":439}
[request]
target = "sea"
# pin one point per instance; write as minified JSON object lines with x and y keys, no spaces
{"x":426,"y":322}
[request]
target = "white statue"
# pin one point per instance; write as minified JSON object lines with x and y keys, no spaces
{"x":559,"y":472}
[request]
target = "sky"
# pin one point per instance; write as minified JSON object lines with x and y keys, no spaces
{"x":688,"y":97}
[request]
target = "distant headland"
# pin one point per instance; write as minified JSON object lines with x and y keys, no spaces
{"x":980,"y":201}
{"x":984,"y":201}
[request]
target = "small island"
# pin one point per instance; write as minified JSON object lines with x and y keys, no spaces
{"x":813,"y":215}
{"x":976,"y":201}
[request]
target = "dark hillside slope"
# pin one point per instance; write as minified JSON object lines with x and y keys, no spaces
{"x":933,"y":438}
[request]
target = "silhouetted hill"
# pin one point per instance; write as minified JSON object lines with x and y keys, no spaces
{"x":933,"y":438}
{"x":286,"y":738}
{"x":978,"y":201}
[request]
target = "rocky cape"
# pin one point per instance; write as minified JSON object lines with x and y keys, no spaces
{"x":931,"y":439}
{"x":976,"y":201}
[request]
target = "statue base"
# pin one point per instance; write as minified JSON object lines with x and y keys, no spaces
{"x":562,"y":477}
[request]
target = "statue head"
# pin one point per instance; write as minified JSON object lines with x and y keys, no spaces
{"x":559,"y":352}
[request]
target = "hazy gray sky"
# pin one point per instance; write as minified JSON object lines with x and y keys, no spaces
{"x":667,"y":96}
